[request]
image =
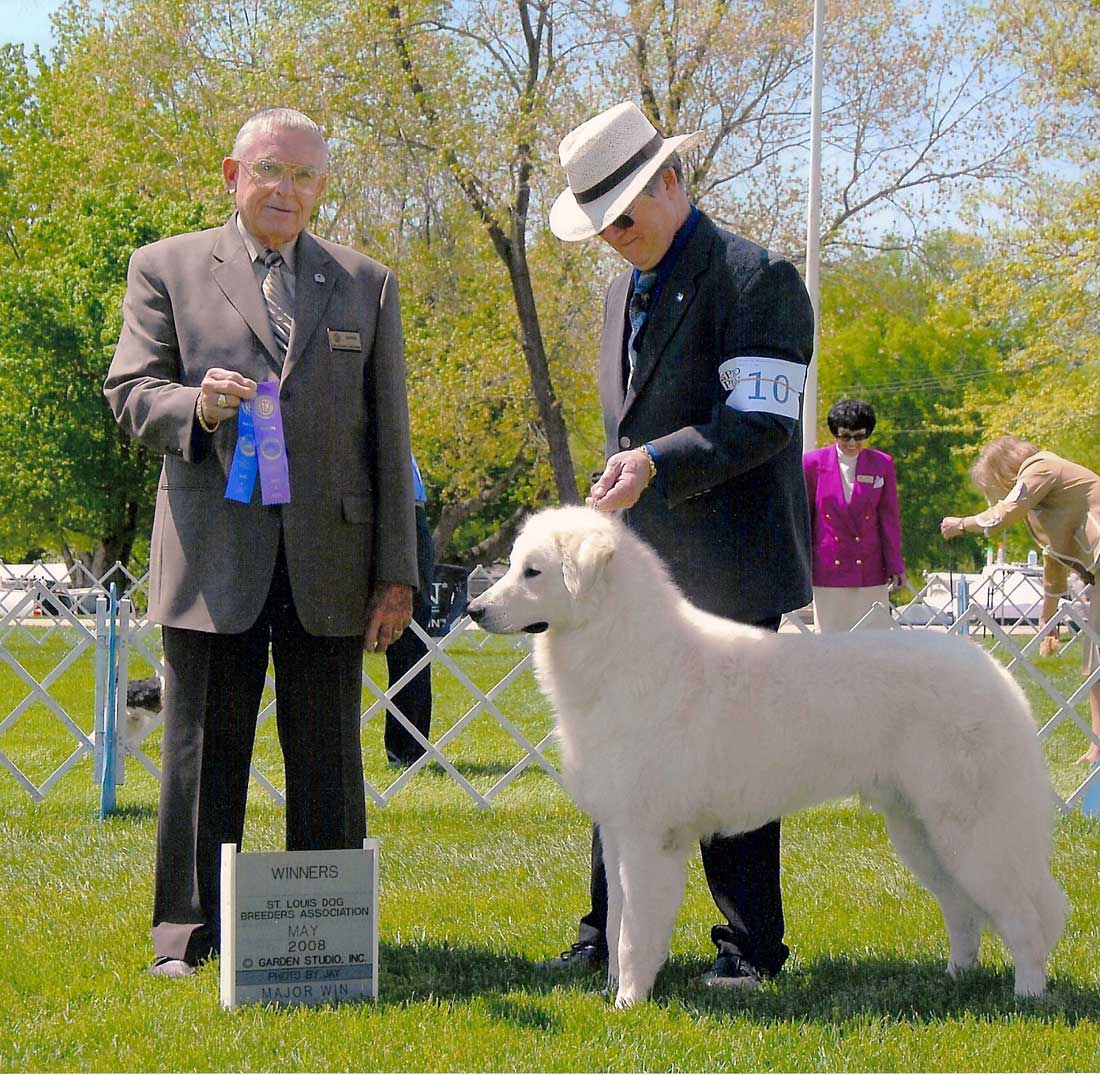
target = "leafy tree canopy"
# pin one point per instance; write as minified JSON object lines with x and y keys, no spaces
{"x":893,"y":337}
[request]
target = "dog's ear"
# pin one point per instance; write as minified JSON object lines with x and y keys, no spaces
{"x":583,"y":558}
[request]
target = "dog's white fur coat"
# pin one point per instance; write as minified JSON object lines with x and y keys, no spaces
{"x":676,"y":724}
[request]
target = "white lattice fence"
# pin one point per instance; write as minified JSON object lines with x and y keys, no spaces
{"x":46,"y":644}
{"x":46,"y":610}
{"x":141,"y":639}
{"x":45,"y":649}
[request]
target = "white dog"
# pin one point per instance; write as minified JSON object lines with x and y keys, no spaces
{"x":676,"y":724}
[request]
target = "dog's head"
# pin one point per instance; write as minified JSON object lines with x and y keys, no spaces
{"x":554,"y":572}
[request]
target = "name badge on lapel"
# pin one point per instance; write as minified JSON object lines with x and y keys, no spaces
{"x":339,"y":340}
{"x":867,"y":479}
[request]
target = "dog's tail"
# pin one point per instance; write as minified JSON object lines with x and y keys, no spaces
{"x":1053,"y":908}
{"x":1032,"y":809}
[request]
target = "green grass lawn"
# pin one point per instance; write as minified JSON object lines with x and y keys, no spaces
{"x":471,"y":900}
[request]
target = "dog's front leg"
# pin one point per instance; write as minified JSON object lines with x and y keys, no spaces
{"x":652,"y":879}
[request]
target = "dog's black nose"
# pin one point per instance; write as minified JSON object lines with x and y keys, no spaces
{"x":475,"y":611}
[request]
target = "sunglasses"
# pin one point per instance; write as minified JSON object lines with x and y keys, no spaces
{"x":861,"y":436}
{"x":625,"y":221}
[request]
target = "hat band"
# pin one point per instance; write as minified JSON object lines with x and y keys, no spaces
{"x":647,"y":152}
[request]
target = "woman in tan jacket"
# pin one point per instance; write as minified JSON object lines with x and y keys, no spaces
{"x":1060,"y":503}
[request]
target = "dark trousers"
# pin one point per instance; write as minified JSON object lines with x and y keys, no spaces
{"x":742,"y":872}
{"x":213,"y":689}
{"x":415,"y":698}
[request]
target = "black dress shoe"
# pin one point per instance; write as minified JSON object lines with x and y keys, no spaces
{"x":580,"y":957}
{"x":167,"y":967}
{"x":732,"y":972}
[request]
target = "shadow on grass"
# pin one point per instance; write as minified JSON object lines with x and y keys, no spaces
{"x":827,"y":990}
{"x":133,"y":813}
{"x":834,"y":989}
{"x":472,"y":769}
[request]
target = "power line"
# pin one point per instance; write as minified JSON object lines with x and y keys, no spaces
{"x":928,"y":432}
{"x":948,"y":380}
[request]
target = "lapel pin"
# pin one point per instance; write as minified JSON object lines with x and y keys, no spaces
{"x":679,"y":296}
{"x":318,"y":277}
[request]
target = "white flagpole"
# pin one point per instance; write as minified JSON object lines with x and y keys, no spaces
{"x":813,"y":231}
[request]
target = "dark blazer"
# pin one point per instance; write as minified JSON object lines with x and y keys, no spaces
{"x":192,"y":302}
{"x":856,"y":543}
{"x":728,"y":509}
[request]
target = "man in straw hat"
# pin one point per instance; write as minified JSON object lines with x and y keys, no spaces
{"x":705,"y":345}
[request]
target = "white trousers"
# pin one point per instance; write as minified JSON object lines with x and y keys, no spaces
{"x":840,"y":608}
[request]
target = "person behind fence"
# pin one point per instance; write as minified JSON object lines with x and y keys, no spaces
{"x":706,"y":341}
{"x":415,"y":698}
{"x":266,"y":365}
{"x":1059,"y":501}
{"x":853,"y":495}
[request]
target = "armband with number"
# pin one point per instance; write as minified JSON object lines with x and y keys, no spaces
{"x":760,"y":383}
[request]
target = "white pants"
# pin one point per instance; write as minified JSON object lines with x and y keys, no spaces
{"x":840,"y":608}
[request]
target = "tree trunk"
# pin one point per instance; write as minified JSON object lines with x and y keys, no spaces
{"x":511,"y":248}
{"x":498,"y":542}
{"x":453,"y":514}
{"x":534,"y":351}
{"x":97,"y":565}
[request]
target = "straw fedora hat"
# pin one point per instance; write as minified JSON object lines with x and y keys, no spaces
{"x":608,"y":160}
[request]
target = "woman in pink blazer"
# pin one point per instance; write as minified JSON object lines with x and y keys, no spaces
{"x":853,"y":498}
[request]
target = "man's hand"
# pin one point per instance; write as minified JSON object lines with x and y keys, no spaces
{"x":389,"y":612}
{"x":622,"y":482}
{"x":896,"y":582}
{"x":221,"y":392}
{"x":1049,"y":646}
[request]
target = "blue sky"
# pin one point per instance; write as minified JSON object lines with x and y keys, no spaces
{"x":27,"y":22}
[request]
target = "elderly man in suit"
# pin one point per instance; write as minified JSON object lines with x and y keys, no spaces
{"x":706,"y":341}
{"x":267,"y":366}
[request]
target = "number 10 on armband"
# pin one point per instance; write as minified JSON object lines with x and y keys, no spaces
{"x":757,"y":383}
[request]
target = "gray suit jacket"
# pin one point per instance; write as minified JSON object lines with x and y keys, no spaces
{"x":728,"y":509}
{"x":192,"y":302}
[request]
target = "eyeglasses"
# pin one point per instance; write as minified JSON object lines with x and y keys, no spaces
{"x":860,"y":436}
{"x":270,"y":173}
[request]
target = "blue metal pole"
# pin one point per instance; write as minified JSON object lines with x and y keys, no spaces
{"x":1090,"y":801}
{"x":100,"y":686}
{"x":962,"y":604}
{"x":107,"y":792}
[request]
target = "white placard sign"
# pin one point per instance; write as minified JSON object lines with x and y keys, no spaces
{"x":299,"y":927}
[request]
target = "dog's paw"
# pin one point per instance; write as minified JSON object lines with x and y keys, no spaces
{"x":957,"y":968}
{"x":627,"y":998}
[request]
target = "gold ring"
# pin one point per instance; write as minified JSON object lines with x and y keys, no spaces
{"x":223,"y":400}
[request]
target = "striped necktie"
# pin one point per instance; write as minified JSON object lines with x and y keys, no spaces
{"x":638,"y":312}
{"x":279,"y":299}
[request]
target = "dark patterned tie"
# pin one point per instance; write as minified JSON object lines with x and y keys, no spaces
{"x":279,"y":299}
{"x":639,"y":310}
